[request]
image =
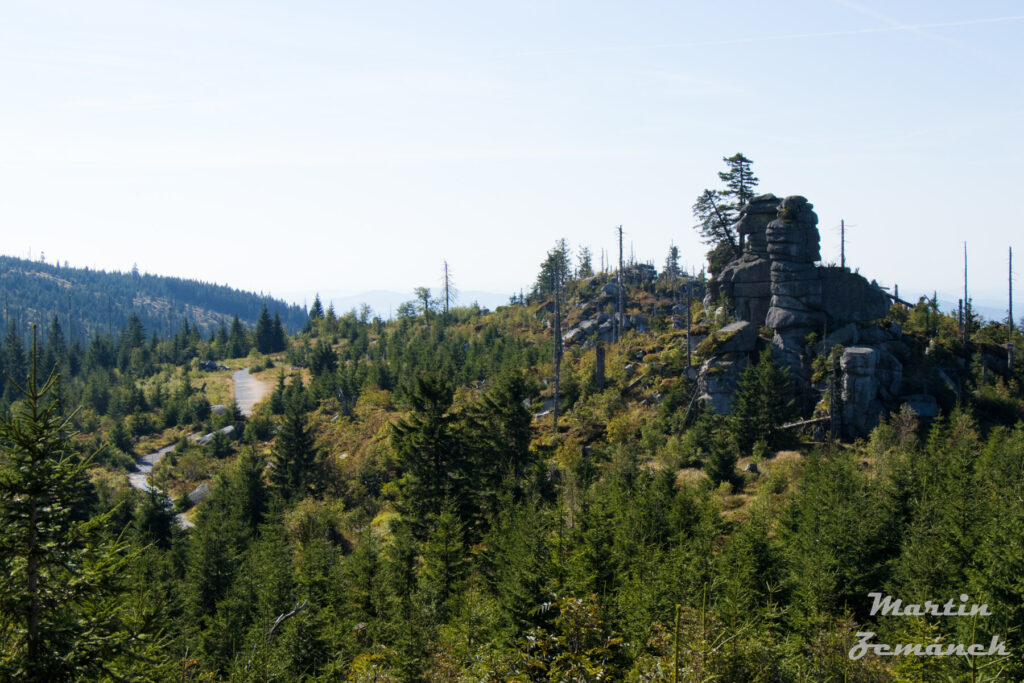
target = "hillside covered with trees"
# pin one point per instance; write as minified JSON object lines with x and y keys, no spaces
{"x":545,"y":492}
{"x":88,"y":301}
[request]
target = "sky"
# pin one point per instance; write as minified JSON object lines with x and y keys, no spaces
{"x":304,"y":146}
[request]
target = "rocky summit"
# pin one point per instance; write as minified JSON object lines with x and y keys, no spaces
{"x":778,"y":287}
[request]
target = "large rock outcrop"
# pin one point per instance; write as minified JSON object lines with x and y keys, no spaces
{"x":796,"y":303}
{"x":745,"y":282}
{"x":776,"y":282}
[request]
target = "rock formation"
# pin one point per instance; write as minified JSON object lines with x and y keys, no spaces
{"x":745,"y":281}
{"x":796,"y":288}
{"x":776,"y":282}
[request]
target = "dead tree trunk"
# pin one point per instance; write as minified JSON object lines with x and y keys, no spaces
{"x":557,"y":328}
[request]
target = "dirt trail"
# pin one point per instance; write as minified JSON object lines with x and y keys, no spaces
{"x":248,"y":392}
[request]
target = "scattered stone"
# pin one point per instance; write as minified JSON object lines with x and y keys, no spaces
{"x":230,"y":431}
{"x":737,"y":337}
{"x":199,"y":494}
{"x":860,"y":386}
{"x":718,"y":379}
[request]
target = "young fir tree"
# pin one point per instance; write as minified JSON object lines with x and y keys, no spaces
{"x":279,"y":338}
{"x":277,"y":397}
{"x":295,"y":455}
{"x":62,"y":612}
{"x":265,"y":332}
{"x":431,"y":455}
{"x":316,"y":311}
{"x":762,"y":404}
{"x":238,"y":339}
{"x":444,"y":562}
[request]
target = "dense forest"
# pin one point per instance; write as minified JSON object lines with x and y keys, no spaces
{"x":90,"y":301}
{"x":402,"y":507}
{"x":540,"y":493}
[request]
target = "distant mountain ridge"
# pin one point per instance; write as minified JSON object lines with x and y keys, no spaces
{"x":385,"y":303}
{"x":88,"y":301}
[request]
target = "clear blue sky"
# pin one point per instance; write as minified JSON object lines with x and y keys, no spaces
{"x":290,"y":147}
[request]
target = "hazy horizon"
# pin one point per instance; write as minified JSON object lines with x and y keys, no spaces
{"x":311,"y":147}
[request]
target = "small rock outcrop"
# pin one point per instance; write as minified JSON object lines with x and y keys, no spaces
{"x":731,"y":348}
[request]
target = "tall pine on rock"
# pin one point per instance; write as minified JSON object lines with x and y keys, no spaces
{"x":717,"y":210}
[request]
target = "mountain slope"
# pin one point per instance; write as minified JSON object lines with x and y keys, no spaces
{"x":87,"y":301}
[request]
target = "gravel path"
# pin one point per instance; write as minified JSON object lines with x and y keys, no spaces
{"x":248,"y":392}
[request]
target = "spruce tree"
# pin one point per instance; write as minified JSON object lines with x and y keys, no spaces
{"x":238,"y":339}
{"x":739,"y":180}
{"x":279,"y":338}
{"x":431,"y":455}
{"x":294,"y":455}
{"x":62,"y":614}
{"x":265,"y":332}
{"x":716,"y":211}
{"x":444,"y":562}
{"x":14,"y":365}
{"x":56,"y":352}
{"x":316,"y":311}
{"x":763,"y":402}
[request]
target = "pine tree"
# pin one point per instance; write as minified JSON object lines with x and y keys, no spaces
{"x":430,"y":454}
{"x":316,"y":311}
{"x":295,"y":455}
{"x":265,"y":332}
{"x":717,"y":210}
{"x":739,"y":180}
{"x":762,"y":403}
{"x":444,"y":562}
{"x":238,"y":339}
{"x":671,"y":272}
{"x":62,"y":614}
{"x":584,"y":261}
{"x":14,"y":364}
{"x":279,"y":338}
